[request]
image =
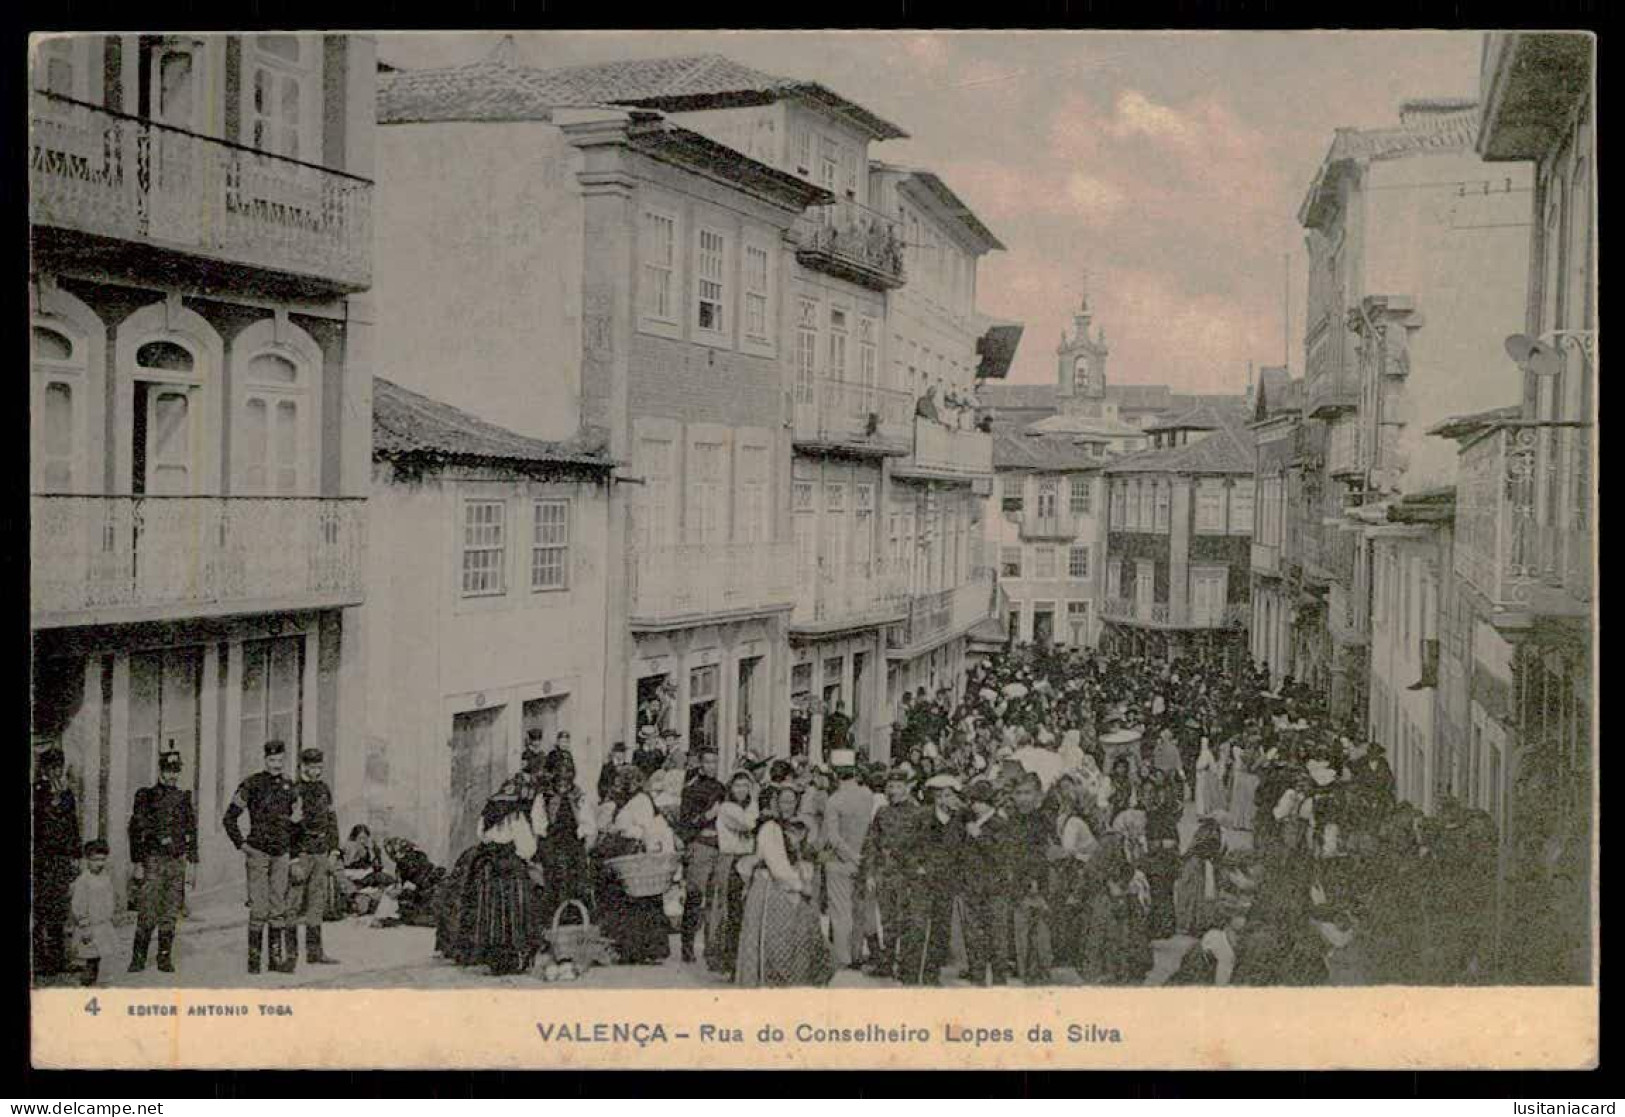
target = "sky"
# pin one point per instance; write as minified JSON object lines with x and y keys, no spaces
{"x":1162,"y":169}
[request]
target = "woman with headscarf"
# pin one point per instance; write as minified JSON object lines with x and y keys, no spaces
{"x":1243,"y":788}
{"x":1209,"y":781}
{"x":637,"y":925}
{"x":1122,"y":912}
{"x":571,"y":830}
{"x":737,"y":818}
{"x":1196,"y":893}
{"x":780,"y":940}
{"x":1155,"y":852}
{"x":1068,"y":854}
{"x":498,"y":919}
{"x":419,"y":881}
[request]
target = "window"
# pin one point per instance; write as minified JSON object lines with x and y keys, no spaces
{"x":483,"y":547}
{"x":274,"y":403}
{"x":1043,"y":562}
{"x":806,"y":350}
{"x":1241,"y":508}
{"x":1080,"y":496}
{"x":1114,"y":579}
{"x":711,"y":290}
{"x":1407,"y":575}
{"x":801,"y":496}
{"x":1164,"y":499}
{"x":655,"y":503}
{"x":1145,"y":584}
{"x":835,"y":496}
{"x":59,"y":383}
{"x":1077,"y":562}
{"x":707,"y":507}
{"x":1048,"y":497}
{"x":829,"y":167}
{"x":1148,"y":504}
{"x":1209,"y":507}
{"x":1077,"y":619}
{"x":837,"y":344}
{"x":280,"y":88}
{"x":1010,"y":562}
{"x":757,"y":316}
{"x":1208,"y":588}
{"x":1119,"y":505}
{"x":659,"y":265}
{"x":868,"y":360}
{"x":803,"y":146}
{"x":550,"y":546}
{"x":751,"y":519}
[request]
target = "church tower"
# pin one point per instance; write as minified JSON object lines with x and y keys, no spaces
{"x":1081,"y":373}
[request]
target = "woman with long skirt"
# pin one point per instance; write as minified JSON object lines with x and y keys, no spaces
{"x":725,"y":899}
{"x":571,"y":828}
{"x":498,"y":919}
{"x":636,"y":925}
{"x":780,"y":940}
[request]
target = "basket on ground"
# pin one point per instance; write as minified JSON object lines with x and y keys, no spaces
{"x":573,"y":943}
{"x":644,"y":874}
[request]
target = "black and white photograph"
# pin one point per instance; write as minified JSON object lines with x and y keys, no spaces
{"x":732,"y":511}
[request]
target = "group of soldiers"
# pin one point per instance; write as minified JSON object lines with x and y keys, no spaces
{"x":291,"y":853}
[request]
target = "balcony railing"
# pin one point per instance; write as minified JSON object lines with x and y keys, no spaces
{"x":947,"y":452}
{"x":690,"y":580}
{"x":1162,"y":614}
{"x":1061,"y":525}
{"x":107,"y":559}
{"x":933,"y":616}
{"x":113,"y":175}
{"x":852,"y":593}
{"x":1266,"y":558}
{"x":1522,"y":519}
{"x":852,"y":242}
{"x":838,"y":412}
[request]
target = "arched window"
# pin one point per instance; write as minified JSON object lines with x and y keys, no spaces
{"x":168,"y":401}
{"x":69,"y":66}
{"x":66,"y":376}
{"x":277,"y":370}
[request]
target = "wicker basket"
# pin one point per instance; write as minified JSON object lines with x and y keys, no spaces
{"x":644,"y":874}
{"x":567,"y":942}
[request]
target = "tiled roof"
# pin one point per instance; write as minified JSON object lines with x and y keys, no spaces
{"x":1460,"y":426}
{"x":1229,"y":449}
{"x":1422,"y":134}
{"x":1140,"y":397}
{"x":1202,"y":417}
{"x":407,"y":424}
{"x":499,"y":87}
{"x":1014,"y":448}
{"x":1078,"y":425}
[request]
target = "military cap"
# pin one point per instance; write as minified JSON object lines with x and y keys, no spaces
{"x":275,"y":748}
{"x":310,"y":756}
{"x":170,"y":762}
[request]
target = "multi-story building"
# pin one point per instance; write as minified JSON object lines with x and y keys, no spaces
{"x":1179,"y":525}
{"x":1276,"y":420}
{"x":1405,"y":229}
{"x":487,"y":580}
{"x":200,"y":398}
{"x":1519,"y":610}
{"x":639,"y":308}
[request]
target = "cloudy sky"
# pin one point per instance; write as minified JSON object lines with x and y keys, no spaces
{"x":1168,"y":167}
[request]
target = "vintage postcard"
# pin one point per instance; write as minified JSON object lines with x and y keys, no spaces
{"x":813,"y":549}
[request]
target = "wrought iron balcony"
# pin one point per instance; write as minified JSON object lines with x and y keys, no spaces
{"x":1523,"y":530}
{"x":947,"y":453}
{"x":851,"y":242}
{"x":1162,"y":614}
{"x":1059,"y":525}
{"x":861,"y":417}
{"x":940,"y":615}
{"x":118,"y":559}
{"x":104,"y":173}
{"x":677,"y":584}
{"x":850,"y":595}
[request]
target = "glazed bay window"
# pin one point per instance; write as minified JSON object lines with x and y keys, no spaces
{"x":659,"y":265}
{"x":484,"y":545}
{"x":1241,"y":508}
{"x":757,"y":315}
{"x":1209,"y":507}
{"x":1080,"y":498}
{"x":550,"y":546}
{"x":711,"y":290}
{"x":806,"y":351}
{"x":837,"y":344}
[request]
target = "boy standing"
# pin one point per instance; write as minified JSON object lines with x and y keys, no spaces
{"x":92,"y":904}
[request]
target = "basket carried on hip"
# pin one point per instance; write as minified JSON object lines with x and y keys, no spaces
{"x":644,"y":874}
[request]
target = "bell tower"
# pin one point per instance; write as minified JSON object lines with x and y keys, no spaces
{"x":1081,"y":367}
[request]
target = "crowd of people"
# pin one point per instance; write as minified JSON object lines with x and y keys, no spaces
{"x":1050,"y":822}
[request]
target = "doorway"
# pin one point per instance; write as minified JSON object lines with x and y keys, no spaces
{"x":165,"y":715}
{"x":1043,"y":625}
{"x":478,"y":767}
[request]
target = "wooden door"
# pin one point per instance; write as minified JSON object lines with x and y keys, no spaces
{"x":478,"y":767}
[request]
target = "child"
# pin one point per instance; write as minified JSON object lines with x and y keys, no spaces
{"x":92,"y":905}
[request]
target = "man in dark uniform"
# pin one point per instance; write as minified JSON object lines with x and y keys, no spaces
{"x":933,"y":860}
{"x":697,"y":826}
{"x":271,"y":801}
{"x":55,"y":862}
{"x":163,"y":857}
{"x":316,"y":855}
{"x":883,"y":870}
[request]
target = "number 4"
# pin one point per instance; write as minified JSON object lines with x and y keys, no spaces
{"x":92,"y":1007}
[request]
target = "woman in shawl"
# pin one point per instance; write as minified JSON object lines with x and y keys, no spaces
{"x":1243,"y":788}
{"x":1196,"y":894}
{"x":1209,"y":781}
{"x":1123,"y":910}
{"x":737,"y":818}
{"x":1068,"y":855}
{"x":419,"y":883}
{"x":780,"y":940}
{"x":498,"y":919}
{"x":571,"y":830}
{"x":636,"y":925}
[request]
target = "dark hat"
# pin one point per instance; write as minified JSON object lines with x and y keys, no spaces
{"x":310,"y":756}
{"x":275,"y":748}
{"x":170,"y":762}
{"x":96,"y":846}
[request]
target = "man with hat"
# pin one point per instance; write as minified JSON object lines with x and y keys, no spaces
{"x":987,"y":885}
{"x":316,"y":849}
{"x":883,"y":868}
{"x":699,"y":803}
{"x":55,"y":862}
{"x":271,"y":801}
{"x":933,"y":861}
{"x":847,"y":816}
{"x":163,"y":857}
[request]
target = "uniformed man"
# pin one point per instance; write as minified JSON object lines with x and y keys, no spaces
{"x":163,"y":857}
{"x":271,"y":801}
{"x":316,"y":853}
{"x":56,"y":851}
{"x":884,"y":870}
